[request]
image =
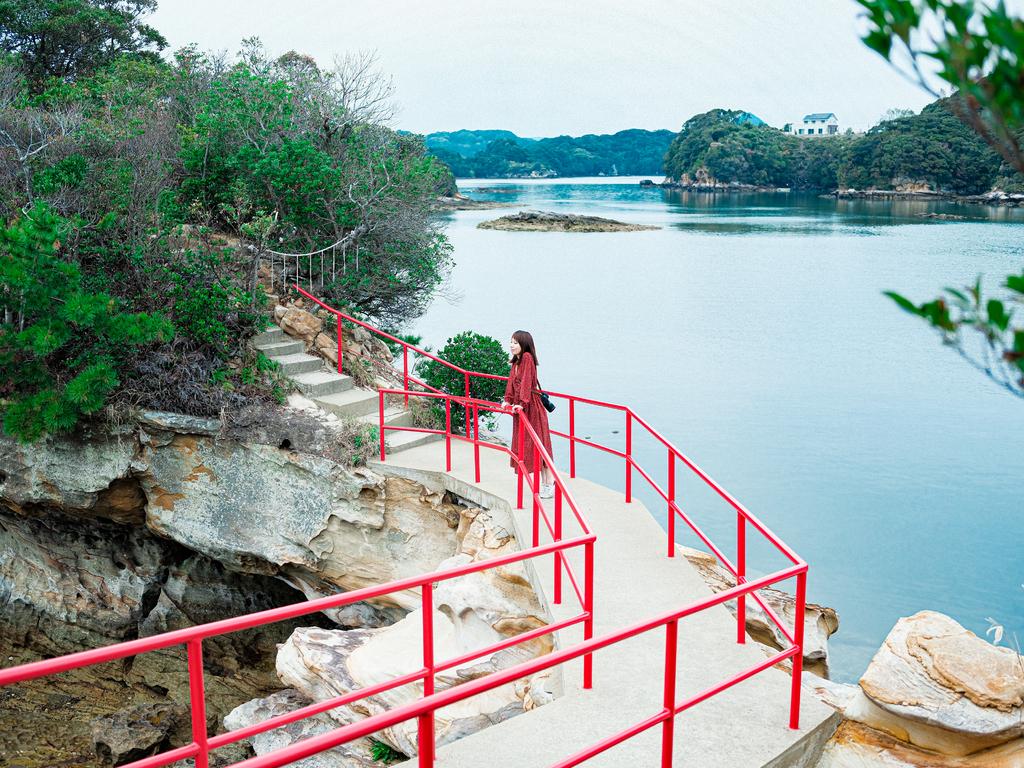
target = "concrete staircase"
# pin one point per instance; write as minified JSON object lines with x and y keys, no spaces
{"x":334,"y":392}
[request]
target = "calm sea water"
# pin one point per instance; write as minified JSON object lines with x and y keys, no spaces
{"x":752,"y":331}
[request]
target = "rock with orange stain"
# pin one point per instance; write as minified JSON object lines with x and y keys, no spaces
{"x":935,"y":687}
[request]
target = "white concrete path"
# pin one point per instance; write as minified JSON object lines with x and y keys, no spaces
{"x":744,"y":727}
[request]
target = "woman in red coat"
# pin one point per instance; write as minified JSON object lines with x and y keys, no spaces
{"x":524,"y":391}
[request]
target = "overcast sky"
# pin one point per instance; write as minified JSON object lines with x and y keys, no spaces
{"x":552,"y":68}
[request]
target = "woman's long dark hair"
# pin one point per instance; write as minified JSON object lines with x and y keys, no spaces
{"x":525,"y":341}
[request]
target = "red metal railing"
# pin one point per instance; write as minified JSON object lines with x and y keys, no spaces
{"x":425,"y":708}
{"x":674,"y":457}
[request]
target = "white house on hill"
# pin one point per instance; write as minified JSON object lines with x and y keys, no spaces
{"x":816,"y":124}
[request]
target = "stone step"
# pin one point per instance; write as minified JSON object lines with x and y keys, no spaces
{"x":299,"y":363}
{"x":270,"y":336}
{"x":353,"y":403}
{"x":281,"y":348}
{"x":320,"y":383}
{"x":393,"y":417}
{"x":401,"y":441}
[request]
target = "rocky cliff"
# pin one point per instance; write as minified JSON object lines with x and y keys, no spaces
{"x":169,"y":522}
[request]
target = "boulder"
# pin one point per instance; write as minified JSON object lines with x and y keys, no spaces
{"x":326,"y":347}
{"x":355,"y":754}
{"x":936,"y":686}
{"x":323,"y":664}
{"x":135,"y":733}
{"x":470,"y":612}
{"x":820,"y":622}
{"x":179,"y":423}
{"x":301,"y":324}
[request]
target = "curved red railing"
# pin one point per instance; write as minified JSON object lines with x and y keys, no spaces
{"x":431,"y":701}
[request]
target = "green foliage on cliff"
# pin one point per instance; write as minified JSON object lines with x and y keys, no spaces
{"x":933,"y":148}
{"x":626,"y":153}
{"x":61,"y":346}
{"x":168,"y":181}
{"x":282,"y":137}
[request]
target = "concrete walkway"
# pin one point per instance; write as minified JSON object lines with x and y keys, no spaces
{"x":744,"y":727}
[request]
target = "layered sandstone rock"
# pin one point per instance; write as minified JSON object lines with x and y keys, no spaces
{"x":942,"y":695}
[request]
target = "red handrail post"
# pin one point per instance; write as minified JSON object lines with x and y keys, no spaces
{"x":588,"y":623}
{"x":669,"y":701}
{"x":629,"y":457}
{"x":447,"y":434}
{"x":425,"y":722}
{"x":536,"y":496}
{"x":381,"y":416}
{"x":476,"y":441}
{"x":671,"y":503}
{"x":405,"y":372}
{"x":521,"y":464}
{"x":197,"y":701}
{"x":572,"y":437}
{"x":741,"y":576}
{"x":798,"y":658}
{"x":558,"y":537}
{"x":466,"y":380}
{"x":338,"y":315}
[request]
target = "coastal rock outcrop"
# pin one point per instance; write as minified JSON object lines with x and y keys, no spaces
{"x":944,"y":694}
{"x":175,"y":521}
{"x":819,"y":621}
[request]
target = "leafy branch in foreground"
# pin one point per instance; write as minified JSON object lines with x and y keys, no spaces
{"x":979,"y":51}
{"x":998,"y":348}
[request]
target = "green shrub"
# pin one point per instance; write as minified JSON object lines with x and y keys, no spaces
{"x":385,"y":753}
{"x":60,"y":346}
{"x":206,"y":302}
{"x":472,"y":352}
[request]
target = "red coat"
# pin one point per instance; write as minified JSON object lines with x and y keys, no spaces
{"x":523,"y":389}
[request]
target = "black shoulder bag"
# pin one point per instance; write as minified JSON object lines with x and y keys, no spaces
{"x":545,"y":400}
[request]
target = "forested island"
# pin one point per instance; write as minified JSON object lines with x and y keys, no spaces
{"x":933,"y":150}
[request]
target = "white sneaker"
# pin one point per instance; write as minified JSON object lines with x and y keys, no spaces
{"x":547,"y":490}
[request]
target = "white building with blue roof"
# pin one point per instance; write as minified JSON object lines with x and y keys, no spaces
{"x":815,"y":124}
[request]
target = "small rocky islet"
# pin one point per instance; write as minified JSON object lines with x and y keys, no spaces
{"x":546,"y":221}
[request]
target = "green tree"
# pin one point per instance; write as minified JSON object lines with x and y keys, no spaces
{"x":60,"y":346}
{"x":979,"y":52}
{"x":471,"y":352}
{"x":67,"y":39}
{"x":283,"y":138}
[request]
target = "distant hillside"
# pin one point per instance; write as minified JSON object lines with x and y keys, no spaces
{"x":633,"y":152}
{"x":468,"y":143}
